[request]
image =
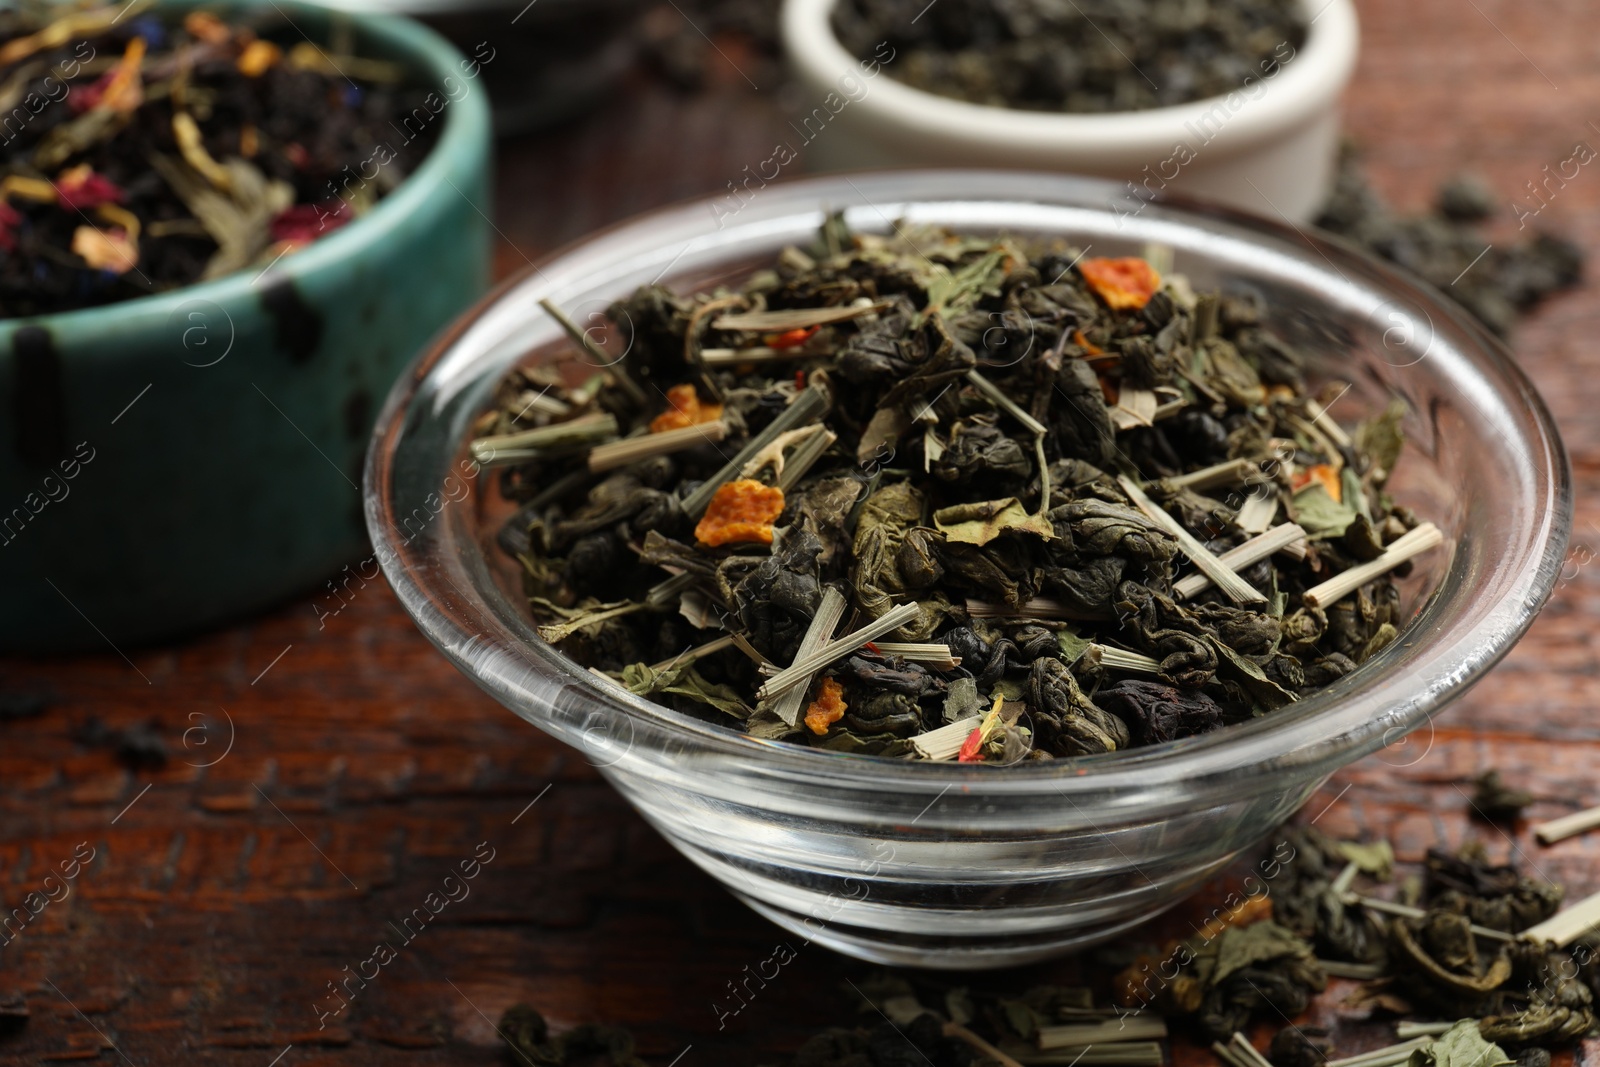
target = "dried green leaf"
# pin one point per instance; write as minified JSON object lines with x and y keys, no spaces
{"x":684,"y":681}
{"x":1381,"y":437}
{"x":978,"y":524}
{"x":1375,"y":858}
{"x":1460,"y":1046}
{"x":1319,"y":514}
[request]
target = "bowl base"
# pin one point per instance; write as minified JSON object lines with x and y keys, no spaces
{"x":897,"y":949}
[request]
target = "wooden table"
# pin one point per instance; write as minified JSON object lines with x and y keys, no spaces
{"x":229,"y":889}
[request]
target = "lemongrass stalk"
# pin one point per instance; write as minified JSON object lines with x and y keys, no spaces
{"x":1118,"y":659}
{"x":1130,"y":1029}
{"x":1234,"y":587}
{"x":601,"y":357}
{"x":1414,"y":543}
{"x":1406,"y":911}
{"x":810,"y":403}
{"x":621,"y":453}
{"x":1006,"y":404}
{"x":820,"y":631}
{"x":794,"y":318}
{"x":943,"y":743}
{"x":491,"y":451}
{"x":1566,"y":925}
{"x":1284,"y":538}
{"x":1560,"y":829}
{"x":805,"y":666}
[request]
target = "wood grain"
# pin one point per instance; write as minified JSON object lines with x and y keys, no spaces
{"x":223,"y":900}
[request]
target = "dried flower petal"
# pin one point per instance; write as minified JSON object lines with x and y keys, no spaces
{"x":207,"y":27}
{"x":827,"y":709}
{"x":124,"y":90}
{"x":300,"y":224}
{"x":80,"y":188}
{"x":258,"y":57}
{"x":1125,"y":283}
{"x":686,"y":410}
{"x":972,"y":747}
{"x":742,"y":510}
{"x":10,"y":219}
{"x":791,"y":338}
{"x":105,"y":250}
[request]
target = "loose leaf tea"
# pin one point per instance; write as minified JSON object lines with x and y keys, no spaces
{"x":1087,"y":56}
{"x":1495,"y":281}
{"x":146,"y":149}
{"x":1010,"y":470}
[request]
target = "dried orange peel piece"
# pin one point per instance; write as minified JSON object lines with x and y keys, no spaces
{"x":827,"y":709}
{"x":1321,"y":474}
{"x":1125,"y":283}
{"x":742,"y":510}
{"x":686,"y":410}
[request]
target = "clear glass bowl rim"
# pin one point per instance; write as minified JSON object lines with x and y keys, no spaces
{"x":1310,"y":738}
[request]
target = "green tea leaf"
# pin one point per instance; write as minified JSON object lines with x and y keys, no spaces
{"x":1321,"y":515}
{"x":1239,"y":947}
{"x":1376,"y":858}
{"x":1460,"y":1046}
{"x":978,"y":524}
{"x":1381,"y":436}
{"x":684,"y":681}
{"x":1072,"y":646}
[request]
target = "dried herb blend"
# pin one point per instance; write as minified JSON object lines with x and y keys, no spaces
{"x":145,"y":150}
{"x":1088,"y":56}
{"x":1463,"y":960}
{"x":945,"y":497}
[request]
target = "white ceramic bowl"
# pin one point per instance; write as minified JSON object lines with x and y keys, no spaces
{"x":1271,"y":147}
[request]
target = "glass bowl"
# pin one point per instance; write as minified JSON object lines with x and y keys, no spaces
{"x":951,"y":865}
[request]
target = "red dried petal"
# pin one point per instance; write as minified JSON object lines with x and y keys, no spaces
{"x":972,"y":747}
{"x":304,"y":223}
{"x":791,"y":338}
{"x":10,"y":219}
{"x":81,"y":189}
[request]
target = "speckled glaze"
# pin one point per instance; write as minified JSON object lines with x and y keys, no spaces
{"x":172,"y":461}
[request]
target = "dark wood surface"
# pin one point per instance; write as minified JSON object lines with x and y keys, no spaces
{"x":222,"y":900}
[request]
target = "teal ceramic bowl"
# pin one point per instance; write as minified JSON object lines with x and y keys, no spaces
{"x":173,"y":461}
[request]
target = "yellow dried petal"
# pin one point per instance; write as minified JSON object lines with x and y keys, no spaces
{"x":104,"y":250}
{"x":258,"y":57}
{"x":207,"y":27}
